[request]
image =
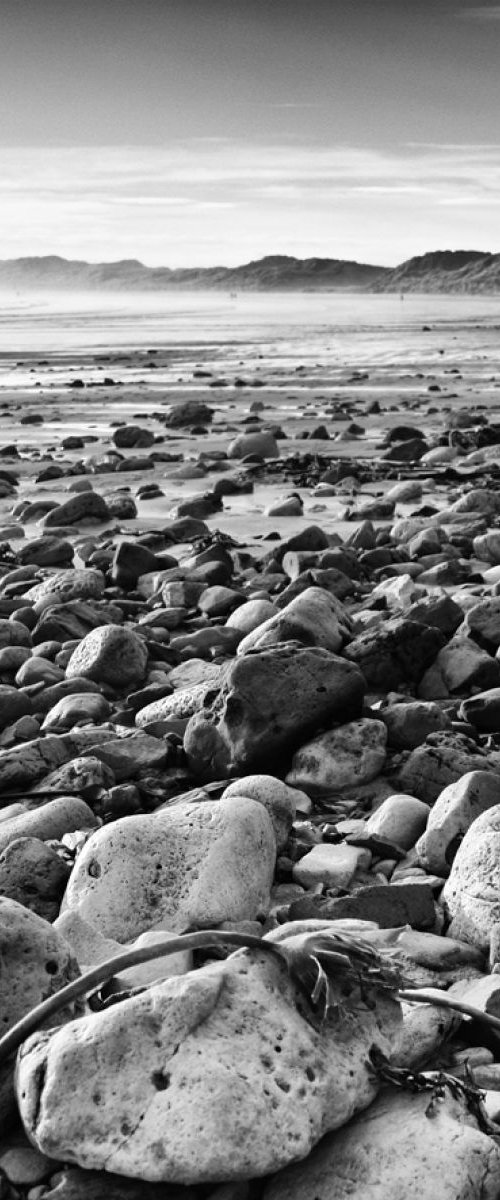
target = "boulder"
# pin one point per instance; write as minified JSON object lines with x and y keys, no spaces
{"x":452,"y":814}
{"x":405,"y":1145}
{"x":409,"y":724}
{"x":50,"y":821}
{"x":110,"y":654}
{"x":472,"y":891}
{"x":81,"y":708}
{"x":463,"y":666}
{"x":400,"y":819}
{"x":81,"y":507}
{"x":268,"y":700}
{"x":343,"y":757}
{"x":396,"y":652}
{"x":314,"y":618}
{"x":188,"y":412}
{"x":251,"y":615}
{"x":431,"y":767}
{"x":278,"y":799}
{"x":127,"y":437}
{"x":192,"y":865}
{"x":25,"y":765}
{"x":33,"y":874}
{"x":264,"y":444}
{"x":66,"y":585}
{"x":46,"y":551}
{"x":212,"y":1076}
{"x":36,"y":963}
{"x":481,"y":710}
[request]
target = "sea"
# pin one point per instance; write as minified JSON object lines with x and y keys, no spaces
{"x":91,"y":322}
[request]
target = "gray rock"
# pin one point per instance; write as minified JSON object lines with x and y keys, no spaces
{"x":452,"y":814}
{"x":398,"y":1148}
{"x":127,"y":437}
{"x":343,"y":757}
{"x":64,"y":586}
{"x":46,"y":551}
{"x":262,"y":443}
{"x":409,"y":724}
{"x":36,"y":963}
{"x":214,"y":1076}
{"x":431,"y":767}
{"x":396,"y":652}
{"x":25,"y":765}
{"x":314,"y":618}
{"x":110,"y":654}
{"x":250,"y":615}
{"x":79,"y":708}
{"x":33,"y":874}
{"x":267,"y":702}
{"x":472,"y":891}
{"x":400,"y":819}
{"x":192,"y":865}
{"x":50,"y":821}
{"x":13,"y":704}
{"x":277,"y":798}
{"x":82,"y":507}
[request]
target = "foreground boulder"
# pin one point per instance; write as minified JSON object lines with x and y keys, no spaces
{"x":193,"y":865}
{"x":213,"y":1076}
{"x":267,"y":702}
{"x":403,"y":1146}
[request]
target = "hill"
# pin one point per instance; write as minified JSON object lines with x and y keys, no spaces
{"x":450,"y":271}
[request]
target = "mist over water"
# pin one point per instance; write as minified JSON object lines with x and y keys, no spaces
{"x":65,"y":322}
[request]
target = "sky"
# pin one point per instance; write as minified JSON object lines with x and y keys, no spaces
{"x":206,"y":132}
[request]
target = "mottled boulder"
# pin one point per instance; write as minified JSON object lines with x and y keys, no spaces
{"x":435,"y":764}
{"x":33,"y":874}
{"x":66,"y":585}
{"x":395,"y":652}
{"x":269,"y":700}
{"x":214,"y":1076}
{"x":192,"y":865}
{"x":343,"y":757}
{"x":472,"y":891}
{"x":399,"y":1148}
{"x":82,"y":507}
{"x":110,"y":654}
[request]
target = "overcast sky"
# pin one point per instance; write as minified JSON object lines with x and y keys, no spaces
{"x":198,"y":132}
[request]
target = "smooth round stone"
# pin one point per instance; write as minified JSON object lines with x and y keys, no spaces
{"x":401,"y":819}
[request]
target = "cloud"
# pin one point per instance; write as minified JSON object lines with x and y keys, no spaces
{"x":200,"y":201}
{"x":485,"y":13}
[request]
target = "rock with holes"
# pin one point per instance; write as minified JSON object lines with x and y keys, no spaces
{"x":268,"y":701}
{"x":36,"y":962}
{"x":403,"y":1146}
{"x":112,"y":655}
{"x":214,"y":1076}
{"x":193,"y":865}
{"x":452,"y":815}
{"x":472,"y":891}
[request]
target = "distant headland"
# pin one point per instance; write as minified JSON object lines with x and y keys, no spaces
{"x":447,"y":271}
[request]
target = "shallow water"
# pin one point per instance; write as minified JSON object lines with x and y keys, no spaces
{"x":65,"y":322}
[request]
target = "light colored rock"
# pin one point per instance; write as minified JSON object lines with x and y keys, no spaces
{"x":251,"y":615}
{"x":90,"y":947}
{"x":332,"y":865}
{"x":399,"y":819}
{"x":261,"y":443}
{"x":110,"y":654}
{"x":278,"y":799}
{"x":189,"y":865}
{"x":268,"y":701}
{"x":210,"y":1077}
{"x":180,"y":704}
{"x":343,"y":757}
{"x":315,"y":617}
{"x":50,"y":821}
{"x":464,"y":665}
{"x":451,"y":816}
{"x":472,"y":891}
{"x":396,"y":1150}
{"x":398,"y":593}
{"x":79,"y":708}
{"x":36,"y":963}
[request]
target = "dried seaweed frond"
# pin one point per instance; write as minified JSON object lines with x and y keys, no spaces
{"x":436,"y":1084}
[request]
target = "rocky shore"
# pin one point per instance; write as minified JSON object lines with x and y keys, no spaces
{"x":250,"y":685}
